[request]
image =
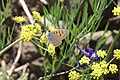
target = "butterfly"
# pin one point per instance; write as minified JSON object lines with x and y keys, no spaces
{"x":55,"y":37}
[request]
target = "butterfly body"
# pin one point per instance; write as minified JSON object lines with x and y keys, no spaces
{"x":55,"y":37}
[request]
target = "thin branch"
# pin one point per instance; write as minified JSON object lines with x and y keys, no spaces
{"x":114,"y":18}
{"x":57,"y":74}
{"x":24,"y":69}
{"x":18,"y":69}
{"x":16,"y":59}
{"x":25,"y":8}
{"x":44,"y":2}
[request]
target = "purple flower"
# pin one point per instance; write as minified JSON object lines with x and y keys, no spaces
{"x":90,"y":54}
{"x":83,"y":66}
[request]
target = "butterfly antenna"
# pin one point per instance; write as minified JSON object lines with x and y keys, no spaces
{"x":58,"y":74}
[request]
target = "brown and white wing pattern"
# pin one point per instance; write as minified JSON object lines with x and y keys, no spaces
{"x":53,"y":38}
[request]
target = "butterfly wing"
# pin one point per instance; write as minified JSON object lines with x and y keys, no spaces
{"x":62,"y":33}
{"x":53,"y":38}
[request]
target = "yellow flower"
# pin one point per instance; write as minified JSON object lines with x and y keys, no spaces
{"x":27,"y":33}
{"x":99,"y":69}
{"x":52,"y":28}
{"x":95,"y":66}
{"x":96,"y":73}
{"x":51,"y":49}
{"x":37,"y":16}
{"x":104,"y":67}
{"x":43,"y":38}
{"x":19,"y":19}
{"x":116,"y":11}
{"x":101,"y":53}
{"x":117,"y":54}
{"x":84,"y":60}
{"x":113,"y":68}
{"x":73,"y":75}
{"x":38,"y":27}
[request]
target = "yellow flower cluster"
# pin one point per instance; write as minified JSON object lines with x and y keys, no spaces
{"x":73,"y":75}
{"x":28,"y":32}
{"x":19,"y":19}
{"x":38,"y":28}
{"x":96,"y":73}
{"x":51,"y":49}
{"x":102,"y":68}
{"x":117,"y":54}
{"x":101,"y":53}
{"x":84,"y":60}
{"x":37,"y":16}
{"x":43,"y":38}
{"x":113,"y":68}
{"x":99,"y":69}
{"x":116,"y":11}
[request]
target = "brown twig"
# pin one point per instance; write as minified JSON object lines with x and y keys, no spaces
{"x":25,"y":68}
{"x":16,"y":59}
{"x":25,"y":8}
{"x":114,"y":18}
{"x":44,"y":2}
{"x":18,"y":69}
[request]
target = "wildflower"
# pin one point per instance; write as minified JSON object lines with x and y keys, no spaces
{"x":116,"y":11}
{"x":51,"y":49}
{"x":37,"y":16}
{"x":27,"y":33}
{"x":104,"y":67}
{"x":113,"y":68}
{"x":99,"y":69}
{"x":52,"y":28}
{"x":96,"y":73}
{"x":19,"y":19}
{"x":95,"y":66}
{"x":117,"y":54}
{"x":101,"y":53}
{"x":38,"y":27}
{"x":84,"y":60}
{"x":90,"y":54}
{"x":43,"y":38}
{"x":73,"y":75}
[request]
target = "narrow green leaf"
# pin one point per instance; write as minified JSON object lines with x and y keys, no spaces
{"x":3,"y":38}
{"x":101,"y":41}
{"x":112,"y":45}
{"x":4,"y":72}
{"x":24,"y":77}
{"x":3,"y":5}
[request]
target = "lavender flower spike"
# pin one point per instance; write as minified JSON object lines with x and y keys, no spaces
{"x":90,"y":54}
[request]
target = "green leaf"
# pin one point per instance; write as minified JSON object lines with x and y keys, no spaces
{"x":4,"y":37}
{"x":112,"y":45}
{"x":6,"y":8}
{"x":24,"y":77}
{"x":4,"y":72}
{"x":102,"y":41}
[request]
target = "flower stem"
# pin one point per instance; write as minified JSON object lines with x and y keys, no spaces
{"x":39,"y":45}
{"x":45,"y":68}
{"x":9,"y":46}
{"x":111,"y":60}
{"x":112,"y":45}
